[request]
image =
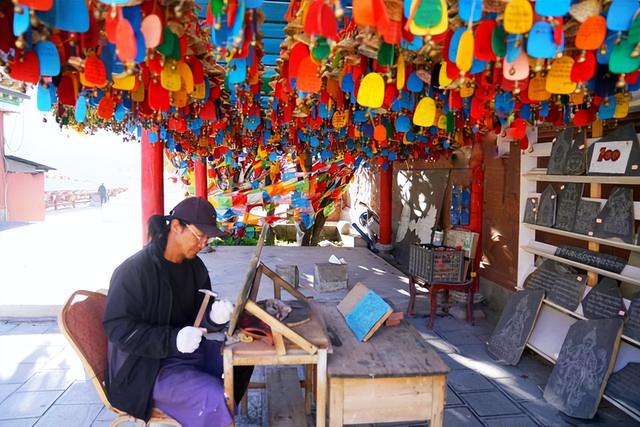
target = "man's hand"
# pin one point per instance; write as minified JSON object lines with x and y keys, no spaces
{"x":221,"y":311}
{"x":188,"y":339}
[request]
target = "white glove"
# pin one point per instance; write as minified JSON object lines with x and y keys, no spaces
{"x":221,"y":311}
{"x":188,"y":339}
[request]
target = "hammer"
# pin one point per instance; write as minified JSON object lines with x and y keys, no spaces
{"x":207,"y":295}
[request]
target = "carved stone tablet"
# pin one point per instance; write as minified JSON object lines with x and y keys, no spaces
{"x":586,"y":216}
{"x":515,"y":325}
{"x":616,"y":217}
{"x":604,"y":301}
{"x":622,"y":133}
{"x":568,"y":199}
{"x":632,"y":323}
{"x":585,"y":361}
{"x":531,"y":210}
{"x":559,"y":151}
{"x":623,"y":386}
{"x":563,"y":289}
{"x":547,"y":208}
{"x":576,"y":163}
{"x":592,"y":258}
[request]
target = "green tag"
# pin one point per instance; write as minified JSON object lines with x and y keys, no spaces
{"x":216,"y":7}
{"x":621,"y":61}
{"x":450,"y":122}
{"x":428,"y":14}
{"x":497,"y":41}
{"x":303,"y":186}
{"x":386,"y":55}
{"x":328,"y":210}
{"x":634,"y":31}
{"x":169,"y":41}
{"x":321,"y":49}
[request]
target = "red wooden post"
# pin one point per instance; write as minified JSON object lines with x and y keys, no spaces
{"x":200,"y":167}
{"x":477,"y":200}
{"x":386,"y":184}
{"x":152,"y":180}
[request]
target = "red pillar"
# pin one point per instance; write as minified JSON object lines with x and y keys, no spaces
{"x":386,"y":184}
{"x":152,"y":180}
{"x":200,"y":173}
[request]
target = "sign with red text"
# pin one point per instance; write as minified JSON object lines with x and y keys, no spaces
{"x":610,"y":157}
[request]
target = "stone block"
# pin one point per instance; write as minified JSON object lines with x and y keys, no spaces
{"x":330,"y":277}
{"x":289,"y":273}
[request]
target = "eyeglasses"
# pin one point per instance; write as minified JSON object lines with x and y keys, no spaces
{"x":201,"y":239}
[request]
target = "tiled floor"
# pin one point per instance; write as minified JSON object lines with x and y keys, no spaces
{"x":42,"y":382}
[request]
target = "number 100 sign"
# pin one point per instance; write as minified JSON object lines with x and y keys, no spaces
{"x":610,"y":157}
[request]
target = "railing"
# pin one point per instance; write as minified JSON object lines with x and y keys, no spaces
{"x":62,"y":199}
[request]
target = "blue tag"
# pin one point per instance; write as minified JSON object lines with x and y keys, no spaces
{"x":44,"y":98}
{"x":133,"y":14}
{"x":477,"y":66}
{"x":603,"y":54}
{"x":413,"y":45}
{"x":81,"y":109}
{"x":48,"y":58}
{"x":455,"y":42}
{"x":238,"y":72}
{"x":514,"y":46}
{"x":346,"y":84}
{"x":540,"y":43}
{"x":252,"y":122}
{"x":607,"y":108}
{"x":359,"y":116}
{"x":67,"y":15}
{"x":141,"y":54}
{"x":552,"y":7}
{"x":120,"y":112}
{"x":21,"y":21}
{"x":414,"y":83}
{"x":403,"y":123}
{"x":467,"y":7}
{"x":620,"y":14}
{"x":254,"y":4}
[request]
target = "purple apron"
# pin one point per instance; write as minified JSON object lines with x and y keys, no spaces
{"x":189,"y":387}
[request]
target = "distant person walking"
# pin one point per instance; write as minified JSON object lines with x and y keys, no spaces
{"x":103,"y":193}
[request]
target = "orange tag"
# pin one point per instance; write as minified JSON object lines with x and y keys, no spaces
{"x":126,"y":46}
{"x":591,"y":33}
{"x":380,"y":133}
{"x":339,"y":119}
{"x":308,"y":79}
{"x":537,"y":90}
{"x":170,"y":77}
{"x":94,"y":71}
{"x":179,"y":99}
{"x":186,"y":76}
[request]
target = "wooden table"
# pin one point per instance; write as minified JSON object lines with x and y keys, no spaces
{"x":259,"y":353}
{"x":395,"y":376}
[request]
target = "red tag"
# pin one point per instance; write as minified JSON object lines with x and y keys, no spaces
{"x":299,"y":51}
{"x":483,"y":35}
{"x":308,"y":79}
{"x":158,"y":96}
{"x":327,"y":22}
{"x":37,"y":4}
{"x":94,"y":71}
{"x":25,"y":67}
{"x":67,"y":90}
{"x":558,"y":31}
{"x":126,"y":46}
{"x":111,"y":26}
{"x":312,"y":23}
{"x":106,"y":107}
{"x":584,"y":67}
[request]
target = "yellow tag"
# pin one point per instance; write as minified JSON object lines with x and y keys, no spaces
{"x":400,"y":74}
{"x":170,"y":77}
{"x":518,"y":17}
{"x":179,"y":98}
{"x":559,"y":76}
{"x":622,"y":105}
{"x":467,"y":90}
{"x":537,"y":89}
{"x":464,"y":57}
{"x":124,"y":83}
{"x":371,"y":91}
{"x":444,"y":80}
{"x":576,"y":98}
{"x":186,"y":75}
{"x":518,"y":69}
{"x":442,"y":121}
{"x":339,"y":119}
{"x":138,"y":94}
{"x":425,"y":112}
{"x":199,"y":91}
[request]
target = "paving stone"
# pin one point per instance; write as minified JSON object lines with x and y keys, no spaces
{"x":27,"y":404}
{"x":66,"y":359}
{"x":460,"y":417}
{"x":467,"y":380}
{"x":490,"y":403}
{"x":69,"y":415}
{"x":49,"y":380}
{"x":30,"y":328}
{"x":22,"y":422}
{"x":105,"y":415}
{"x":519,"y":421}
{"x":475,"y":357}
{"x":544,"y":413}
{"x":520,"y":388}
{"x":451,"y":363}
{"x":462,"y":336}
{"x":80,"y":392}
{"x":5,"y":327}
{"x":7,"y":389}
{"x":443,"y":345}
{"x":535,"y":367}
{"x":14,"y":374}
{"x":607,"y":416}
{"x":127,"y":424}
{"x":452,"y":398}
{"x":448,"y":323}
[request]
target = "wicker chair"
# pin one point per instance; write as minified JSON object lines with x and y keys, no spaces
{"x":81,"y":322}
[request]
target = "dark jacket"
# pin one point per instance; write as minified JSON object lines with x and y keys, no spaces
{"x":137,"y":324}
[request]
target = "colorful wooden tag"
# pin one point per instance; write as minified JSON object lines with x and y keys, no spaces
{"x":620,"y":14}
{"x":622,"y":59}
{"x":170,"y":77}
{"x":126,"y":45}
{"x":483,"y":38}
{"x":362,"y":11}
{"x":607,"y":108}
{"x":464,"y":56}
{"x":21,"y":21}
{"x":36,"y":4}
{"x":67,"y":15}
{"x":80,"y":110}
{"x":48,"y":58}
{"x":95,"y":72}
{"x":518,"y":17}
{"x":126,"y":82}
{"x":591,"y":33}
{"x":584,"y":68}
{"x":43,"y":97}
{"x":537,"y":88}
{"x":299,"y":51}
{"x":498,"y":44}
{"x":308,"y":79}
{"x":425,"y":112}
{"x":158,"y":97}
{"x":470,"y":10}
{"x":237,"y":71}
{"x":414,"y":83}
{"x":622,"y":100}
{"x":518,"y":69}
{"x":380,"y":133}
{"x":402,"y":123}
{"x":106,"y":107}
{"x":552,"y":7}
{"x":151,"y":29}
{"x":540,"y":42}
{"x":426,"y":13}
{"x":186,"y":76}
{"x":371,"y":91}
{"x":340,"y":118}
{"x":559,"y":76}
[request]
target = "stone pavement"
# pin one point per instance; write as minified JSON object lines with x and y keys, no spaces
{"x":42,"y":382}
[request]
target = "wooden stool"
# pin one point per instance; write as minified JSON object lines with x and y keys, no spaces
{"x":433,"y":288}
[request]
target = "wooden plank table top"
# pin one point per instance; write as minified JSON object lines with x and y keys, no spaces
{"x":398,"y":351}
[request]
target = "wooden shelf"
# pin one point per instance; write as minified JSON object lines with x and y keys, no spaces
{"x":536,"y":251}
{"x":616,"y":243}
{"x":581,"y":317}
{"x":540,"y":174}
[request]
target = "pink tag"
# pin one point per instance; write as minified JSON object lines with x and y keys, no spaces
{"x":634,"y":167}
{"x":598,"y":220}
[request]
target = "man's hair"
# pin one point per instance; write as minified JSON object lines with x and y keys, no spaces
{"x":158,"y":228}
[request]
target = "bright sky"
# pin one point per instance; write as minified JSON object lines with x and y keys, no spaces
{"x":90,"y":159}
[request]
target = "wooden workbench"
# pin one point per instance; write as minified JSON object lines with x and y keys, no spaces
{"x":259,"y":353}
{"x":395,"y":376}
